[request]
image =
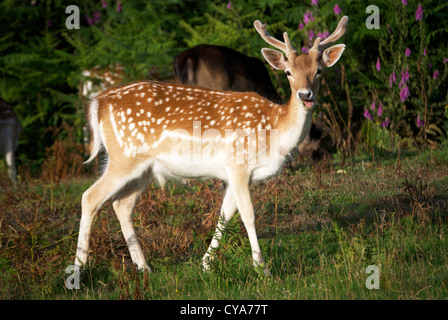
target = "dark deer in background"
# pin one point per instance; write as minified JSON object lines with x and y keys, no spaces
{"x":9,"y":135}
{"x":222,"y":68}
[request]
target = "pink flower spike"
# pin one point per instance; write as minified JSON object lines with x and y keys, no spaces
{"x":118,"y":6}
{"x":424,"y":52}
{"x":104,"y":3}
{"x":229,"y":5}
{"x":378,"y":65}
{"x":419,"y":13}
{"x":380,"y":110}
{"x":436,"y":74}
{"x":386,"y":122}
{"x":420,"y":122}
{"x":404,"y":2}
{"x":314,"y":2}
{"x":307,"y":17}
{"x":337,"y":10}
{"x":373,"y":105}
{"x":367,"y":115}
{"x":407,"y":52}
{"x":310,"y":34}
{"x":404,"y":93}
{"x":301,"y":25}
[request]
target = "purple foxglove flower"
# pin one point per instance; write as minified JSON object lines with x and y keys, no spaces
{"x":373,"y":105}
{"x":380,"y":110}
{"x":104,"y":3}
{"x":324,"y":35}
{"x":436,"y":74}
{"x":367,"y":115}
{"x":305,"y":50}
{"x":404,"y":93}
{"x":404,"y":2}
{"x":420,"y":122}
{"x":119,"y":6}
{"x":307,"y":17}
{"x":404,"y":77}
{"x":378,"y":65}
{"x":337,"y":10}
{"x":386,"y":122}
{"x":419,"y":13}
{"x":314,"y":2}
{"x":407,"y":52}
{"x":424,"y":52}
{"x":392,"y":79}
{"x":310,"y":34}
{"x":301,"y":25}
{"x":229,"y":5}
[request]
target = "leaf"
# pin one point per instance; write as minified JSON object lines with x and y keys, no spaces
{"x":433,"y":129}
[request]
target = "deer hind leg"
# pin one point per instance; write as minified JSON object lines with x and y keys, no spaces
{"x":227,"y":211}
{"x":123,"y":205}
{"x":105,"y":188}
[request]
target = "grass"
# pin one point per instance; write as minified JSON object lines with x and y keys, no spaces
{"x":317,"y":238}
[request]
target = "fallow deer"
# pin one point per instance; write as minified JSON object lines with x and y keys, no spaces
{"x":151,"y":129}
{"x":9,"y":136}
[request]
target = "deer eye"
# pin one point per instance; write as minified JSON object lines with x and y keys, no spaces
{"x":287,"y":73}
{"x":318,"y":72}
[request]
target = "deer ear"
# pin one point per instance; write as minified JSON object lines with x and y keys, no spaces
{"x":332,"y":55}
{"x":275,"y":58}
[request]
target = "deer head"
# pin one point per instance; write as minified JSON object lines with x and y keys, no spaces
{"x":304,"y":70}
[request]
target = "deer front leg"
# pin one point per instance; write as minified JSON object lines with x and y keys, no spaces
{"x":239,"y":184}
{"x":227,"y":211}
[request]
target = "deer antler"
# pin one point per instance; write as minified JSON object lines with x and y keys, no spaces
{"x":338,"y":33}
{"x":285,"y":46}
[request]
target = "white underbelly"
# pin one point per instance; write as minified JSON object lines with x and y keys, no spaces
{"x":165,"y":167}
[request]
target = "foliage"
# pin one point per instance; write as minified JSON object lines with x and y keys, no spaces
{"x":41,"y":61}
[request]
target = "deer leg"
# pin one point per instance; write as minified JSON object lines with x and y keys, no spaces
{"x":11,"y":164}
{"x":239,"y":184}
{"x":92,"y":200}
{"x":227,"y":211}
{"x":123,"y":205}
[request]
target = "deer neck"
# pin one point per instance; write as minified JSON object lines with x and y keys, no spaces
{"x":293,"y":124}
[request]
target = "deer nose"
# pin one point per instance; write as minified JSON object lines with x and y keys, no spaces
{"x":305,"y":94}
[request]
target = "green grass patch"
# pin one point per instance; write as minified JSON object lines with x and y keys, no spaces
{"x":317,"y":239}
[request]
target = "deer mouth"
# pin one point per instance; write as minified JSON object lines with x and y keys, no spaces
{"x":308,"y":104}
